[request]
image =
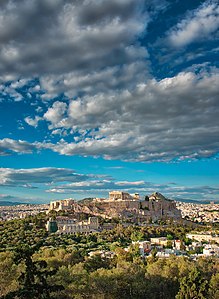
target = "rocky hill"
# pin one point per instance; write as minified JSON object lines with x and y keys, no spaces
{"x":154,"y":207}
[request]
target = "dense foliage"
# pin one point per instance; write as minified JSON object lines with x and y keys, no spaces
{"x":34,"y":264}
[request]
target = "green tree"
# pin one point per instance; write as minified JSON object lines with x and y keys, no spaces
{"x":214,"y":287}
{"x":33,"y":280}
{"x":193,"y":286}
{"x":137,"y":236}
{"x":169,"y":237}
{"x":95,"y":262}
{"x":9,"y":273}
{"x":127,"y":282}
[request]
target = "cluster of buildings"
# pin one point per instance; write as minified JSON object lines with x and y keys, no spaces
{"x":21,"y":211}
{"x":204,"y":237}
{"x":199,"y":212}
{"x":202,"y":249}
{"x":201,"y":244}
{"x":164,"y":248}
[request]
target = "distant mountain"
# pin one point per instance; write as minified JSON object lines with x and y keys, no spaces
{"x":11,"y":203}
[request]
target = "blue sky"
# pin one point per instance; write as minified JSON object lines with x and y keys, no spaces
{"x":100,"y":95}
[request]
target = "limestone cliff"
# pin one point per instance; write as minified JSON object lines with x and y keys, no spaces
{"x":154,"y":207}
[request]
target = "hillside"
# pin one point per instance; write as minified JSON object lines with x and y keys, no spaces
{"x":154,"y":207}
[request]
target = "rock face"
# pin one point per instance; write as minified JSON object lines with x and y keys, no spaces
{"x":159,"y":207}
{"x":155,"y":207}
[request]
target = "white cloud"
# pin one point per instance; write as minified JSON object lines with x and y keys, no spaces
{"x":112,"y":106}
{"x":45,"y":175}
{"x":56,"y":113}
{"x":171,"y":119}
{"x":19,"y":83}
{"x":110,"y":78}
{"x":33,"y":121}
{"x":67,"y":181}
{"x":7,"y":146}
{"x":80,"y":39}
{"x":169,"y":190}
{"x":104,"y":185}
{"x":125,"y":183}
{"x":200,"y":24}
{"x":59,"y":132}
{"x":175,"y":118}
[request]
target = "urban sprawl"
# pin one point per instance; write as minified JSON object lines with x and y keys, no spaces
{"x":64,"y":217}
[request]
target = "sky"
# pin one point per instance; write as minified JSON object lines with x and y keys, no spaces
{"x":99,"y":95}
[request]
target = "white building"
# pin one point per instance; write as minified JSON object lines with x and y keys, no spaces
{"x":178,"y":244}
{"x":203,"y":237}
{"x":71,"y":226}
{"x":210,"y":249}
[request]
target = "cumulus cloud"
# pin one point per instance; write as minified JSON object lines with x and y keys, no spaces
{"x":56,"y":113}
{"x":172,"y":119}
{"x":46,"y":175}
{"x":67,"y":181}
{"x":199,"y":24}
{"x":110,"y":104}
{"x":110,"y":78}
{"x":8,"y":146}
{"x":69,"y":40}
{"x":88,"y":46}
{"x":175,"y":118}
{"x":32,"y":121}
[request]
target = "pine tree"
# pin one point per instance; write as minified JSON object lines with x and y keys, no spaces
{"x":33,"y":281}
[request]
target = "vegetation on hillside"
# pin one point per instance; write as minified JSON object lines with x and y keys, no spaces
{"x":35,"y":264}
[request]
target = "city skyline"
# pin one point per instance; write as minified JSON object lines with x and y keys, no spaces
{"x":108,"y":95}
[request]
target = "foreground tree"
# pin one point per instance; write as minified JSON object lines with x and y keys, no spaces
{"x":9,"y":273}
{"x":33,"y":280}
{"x":193,"y":286}
{"x":214,"y":287}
